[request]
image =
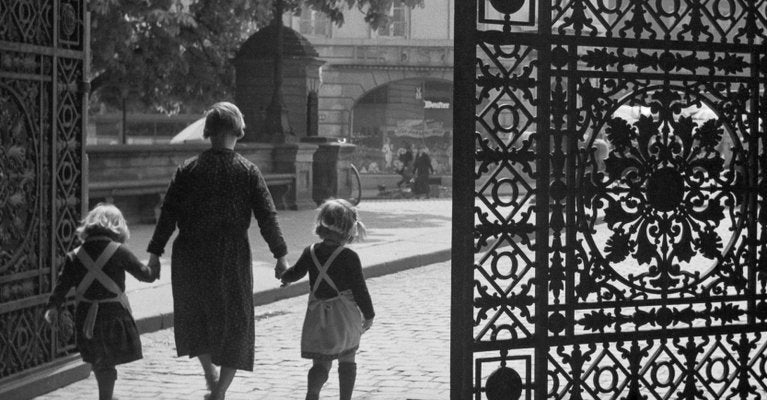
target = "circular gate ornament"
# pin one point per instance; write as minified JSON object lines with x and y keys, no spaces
{"x":668,"y":196}
{"x":18,"y":178}
{"x":665,"y":189}
{"x":503,"y":384}
{"x":507,"y":6}
{"x":68,"y":20}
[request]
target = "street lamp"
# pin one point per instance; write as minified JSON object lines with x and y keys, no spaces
{"x":313,"y":84}
{"x":124,"y":91}
{"x":277,"y":114}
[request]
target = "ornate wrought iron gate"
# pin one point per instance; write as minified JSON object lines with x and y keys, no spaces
{"x":42,"y":69}
{"x":619,"y":246}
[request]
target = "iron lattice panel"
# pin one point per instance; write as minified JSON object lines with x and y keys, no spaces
{"x":41,"y":125}
{"x":619,"y":255}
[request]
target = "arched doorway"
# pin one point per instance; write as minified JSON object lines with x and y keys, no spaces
{"x":409,"y":114}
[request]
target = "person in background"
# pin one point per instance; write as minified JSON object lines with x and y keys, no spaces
{"x":405,"y":158}
{"x":422,"y":169}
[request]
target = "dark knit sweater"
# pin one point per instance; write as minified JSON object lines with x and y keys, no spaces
{"x":73,"y":271}
{"x":346,"y":273}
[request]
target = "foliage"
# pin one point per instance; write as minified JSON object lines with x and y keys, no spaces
{"x":376,"y":11}
{"x":174,"y":55}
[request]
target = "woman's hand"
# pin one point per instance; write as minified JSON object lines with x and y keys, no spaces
{"x":280,"y":267}
{"x":367,"y":324}
{"x":154,"y":265}
{"x":51,"y":316}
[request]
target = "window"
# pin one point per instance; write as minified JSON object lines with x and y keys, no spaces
{"x":314,"y":23}
{"x":397,"y":26}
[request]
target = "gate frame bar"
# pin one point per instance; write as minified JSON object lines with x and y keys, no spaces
{"x":462,"y":269}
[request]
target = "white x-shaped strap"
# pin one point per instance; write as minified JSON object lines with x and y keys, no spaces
{"x":323,"y":269}
{"x":96,"y":272}
{"x":95,"y":269}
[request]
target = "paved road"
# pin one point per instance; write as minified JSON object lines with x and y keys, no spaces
{"x":404,"y":356}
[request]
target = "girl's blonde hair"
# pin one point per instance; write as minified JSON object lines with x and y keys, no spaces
{"x":104,"y":219}
{"x":337,"y":220}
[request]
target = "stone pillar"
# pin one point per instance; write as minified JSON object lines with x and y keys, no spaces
{"x":331,"y":171}
{"x":297,"y":159}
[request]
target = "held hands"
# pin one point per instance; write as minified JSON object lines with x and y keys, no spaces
{"x":51,"y":316}
{"x":367,"y":324}
{"x":280,"y":267}
{"x":154,"y":265}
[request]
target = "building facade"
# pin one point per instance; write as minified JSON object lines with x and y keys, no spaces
{"x":387,"y":90}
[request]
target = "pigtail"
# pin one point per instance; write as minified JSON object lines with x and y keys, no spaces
{"x":362,"y":231}
{"x":337,"y":219}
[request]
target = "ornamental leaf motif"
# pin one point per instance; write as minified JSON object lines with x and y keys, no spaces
{"x":710,"y":134}
{"x":618,"y":247}
{"x":597,"y":320}
{"x":619,"y":133}
{"x":709,"y":243}
{"x":659,"y":194}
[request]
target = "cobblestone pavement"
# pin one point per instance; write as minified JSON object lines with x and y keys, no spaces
{"x":404,"y":356}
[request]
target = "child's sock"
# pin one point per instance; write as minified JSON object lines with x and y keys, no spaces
{"x":347,"y":375}
{"x":316,"y":377}
{"x":105,"y":377}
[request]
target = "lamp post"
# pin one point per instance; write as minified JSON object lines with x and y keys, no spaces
{"x":123,"y":91}
{"x":277,"y":114}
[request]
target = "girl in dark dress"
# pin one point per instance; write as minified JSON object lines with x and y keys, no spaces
{"x":211,"y":199}
{"x":106,"y":332}
{"x":335,"y":276}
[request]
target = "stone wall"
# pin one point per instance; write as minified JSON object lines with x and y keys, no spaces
{"x":135,"y":177}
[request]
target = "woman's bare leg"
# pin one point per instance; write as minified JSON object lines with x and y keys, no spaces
{"x":218,"y":382}
{"x":211,"y":374}
{"x":224,"y":380}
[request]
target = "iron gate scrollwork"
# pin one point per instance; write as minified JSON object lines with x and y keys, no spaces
{"x":42,"y":70}
{"x":619,"y":211}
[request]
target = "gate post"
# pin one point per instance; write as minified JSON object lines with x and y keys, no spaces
{"x":462,"y":257}
{"x":617,"y":218}
{"x":43,"y":104}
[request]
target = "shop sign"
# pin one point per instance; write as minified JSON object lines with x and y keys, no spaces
{"x":419,"y":128}
{"x":440,"y":105}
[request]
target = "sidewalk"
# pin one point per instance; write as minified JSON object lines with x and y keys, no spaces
{"x":402,"y":234}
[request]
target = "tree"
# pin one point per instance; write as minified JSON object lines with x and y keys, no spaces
{"x":174,"y":55}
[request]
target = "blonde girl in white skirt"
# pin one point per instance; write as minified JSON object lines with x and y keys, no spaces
{"x":340,"y":308}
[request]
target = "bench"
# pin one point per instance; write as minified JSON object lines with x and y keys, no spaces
{"x":281,"y":185}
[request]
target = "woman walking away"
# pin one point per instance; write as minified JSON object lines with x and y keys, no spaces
{"x":422,"y":169}
{"x":211,"y":199}
{"x":333,"y":324}
{"x":106,"y":332}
